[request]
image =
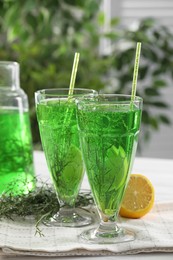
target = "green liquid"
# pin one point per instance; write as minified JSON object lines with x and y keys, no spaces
{"x":109,"y":140}
{"x":59,"y":135}
{"x":16,"y":158}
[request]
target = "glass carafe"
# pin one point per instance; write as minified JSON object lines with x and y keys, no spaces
{"x":16,"y":152}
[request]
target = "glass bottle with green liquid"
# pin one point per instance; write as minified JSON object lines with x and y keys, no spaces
{"x":16,"y":152}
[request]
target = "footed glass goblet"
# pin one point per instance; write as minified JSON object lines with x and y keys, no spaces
{"x":108,"y":128}
{"x":56,"y":114}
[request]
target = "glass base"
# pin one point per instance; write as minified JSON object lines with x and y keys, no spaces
{"x":70,"y":217}
{"x":107,"y":235}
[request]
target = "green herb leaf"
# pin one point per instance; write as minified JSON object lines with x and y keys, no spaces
{"x":41,"y":204}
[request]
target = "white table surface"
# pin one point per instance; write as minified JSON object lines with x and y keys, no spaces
{"x":159,"y":171}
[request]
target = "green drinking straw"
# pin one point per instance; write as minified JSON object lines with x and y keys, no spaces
{"x":72,"y":82}
{"x":73,"y":74}
{"x":135,"y":72}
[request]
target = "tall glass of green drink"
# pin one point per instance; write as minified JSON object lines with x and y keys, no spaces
{"x":108,"y":128}
{"x":56,"y":114}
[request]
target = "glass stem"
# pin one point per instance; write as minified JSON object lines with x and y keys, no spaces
{"x":107,"y":229}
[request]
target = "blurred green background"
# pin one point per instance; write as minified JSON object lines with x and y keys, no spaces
{"x":44,"y":35}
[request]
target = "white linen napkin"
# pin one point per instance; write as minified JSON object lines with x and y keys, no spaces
{"x":154,"y":233}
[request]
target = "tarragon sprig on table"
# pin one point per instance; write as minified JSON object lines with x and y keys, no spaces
{"x":41,"y":204}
